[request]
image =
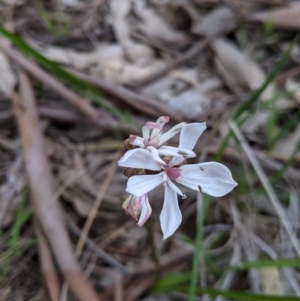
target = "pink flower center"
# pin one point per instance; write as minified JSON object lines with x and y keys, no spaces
{"x":173,"y":173}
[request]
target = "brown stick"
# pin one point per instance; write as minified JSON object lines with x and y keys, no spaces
{"x":80,"y":103}
{"x":48,"y":269}
{"x":138,"y":101}
{"x":42,"y":190}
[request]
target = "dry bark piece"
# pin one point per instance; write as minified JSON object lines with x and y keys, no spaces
{"x":42,"y":188}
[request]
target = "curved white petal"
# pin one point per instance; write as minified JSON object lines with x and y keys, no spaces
{"x":190,"y":134}
{"x":139,"y":158}
{"x":174,"y":187}
{"x":148,"y":127}
{"x":161,"y":121}
{"x":174,"y":151}
{"x":171,"y":133}
{"x":213,"y":178}
{"x":170,"y":217}
{"x":146,"y":211}
{"x":137,"y":141}
{"x":155,"y":155}
{"x":139,"y":185}
{"x":176,"y":160}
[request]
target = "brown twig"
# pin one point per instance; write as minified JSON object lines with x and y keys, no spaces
{"x":104,"y":121}
{"x":143,"y":278}
{"x":80,"y":103}
{"x":42,"y":189}
{"x":138,"y":101}
{"x":47,"y":265}
{"x":284,"y":76}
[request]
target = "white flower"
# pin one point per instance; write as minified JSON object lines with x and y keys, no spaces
{"x":138,"y":206}
{"x":153,"y":139}
{"x":212,"y":178}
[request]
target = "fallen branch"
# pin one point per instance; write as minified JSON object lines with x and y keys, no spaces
{"x":136,"y":100}
{"x":49,"y":81}
{"x":42,"y":190}
{"x":47,"y":265}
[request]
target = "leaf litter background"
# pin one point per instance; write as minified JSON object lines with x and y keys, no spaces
{"x":127,"y":62}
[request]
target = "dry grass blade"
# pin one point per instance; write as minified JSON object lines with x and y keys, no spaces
{"x":97,"y":203}
{"x":266,"y":183}
{"x":42,"y":189}
{"x":47,"y":265}
{"x":87,"y":226}
{"x":81,"y":104}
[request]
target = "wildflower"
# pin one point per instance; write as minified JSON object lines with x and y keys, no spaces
{"x":138,"y":206}
{"x":153,"y":138}
{"x":212,"y":178}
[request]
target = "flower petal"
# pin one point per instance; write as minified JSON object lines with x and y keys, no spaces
{"x":170,"y":217}
{"x":155,"y":155}
{"x":174,"y":151}
{"x":161,"y":121}
{"x":128,"y":206}
{"x":137,"y":141}
{"x":171,"y":133}
{"x":174,"y":187}
{"x":146,"y":210}
{"x":139,"y":158}
{"x":213,"y":178}
{"x":139,"y":185}
{"x":190,"y":134}
{"x":176,"y":161}
{"x":150,"y":126}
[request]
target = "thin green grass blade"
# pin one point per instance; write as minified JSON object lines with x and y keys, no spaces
{"x":14,"y":240}
{"x":254,"y":97}
{"x":80,"y":86}
{"x":232,"y":295}
{"x":199,"y":249}
{"x":285,"y":129}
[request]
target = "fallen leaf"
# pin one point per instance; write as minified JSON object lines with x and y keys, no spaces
{"x":7,"y":77}
{"x":286,"y":146}
{"x":221,"y":19}
{"x":238,"y":70}
{"x":286,"y":17}
{"x":271,"y":283}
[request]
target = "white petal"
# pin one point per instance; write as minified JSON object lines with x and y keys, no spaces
{"x":139,"y":158}
{"x":190,"y":134}
{"x":171,"y":133}
{"x":176,"y":150}
{"x":146,"y":211}
{"x":176,"y":161}
{"x":161,"y":121}
{"x":137,"y":141}
{"x":155,"y":155}
{"x":170,"y":217}
{"x":213,"y":178}
{"x":139,"y":185}
{"x":174,"y":187}
{"x":150,"y":126}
